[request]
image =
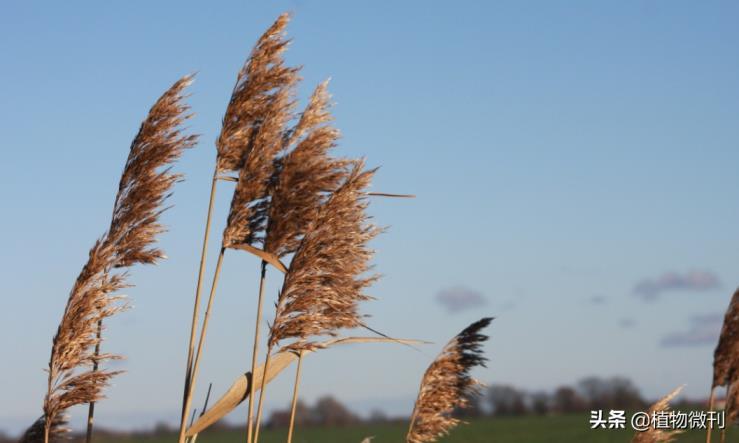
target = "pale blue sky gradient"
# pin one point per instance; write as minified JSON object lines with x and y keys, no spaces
{"x":561,"y":152}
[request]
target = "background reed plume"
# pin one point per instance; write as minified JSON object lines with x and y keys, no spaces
{"x":447,"y":385}
{"x":145,"y":184}
{"x":655,"y":435}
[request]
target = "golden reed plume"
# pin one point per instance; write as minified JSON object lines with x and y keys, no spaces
{"x":304,"y":177}
{"x":252,"y":136}
{"x":325,"y":281}
{"x":73,"y":378}
{"x":253,"y":96}
{"x":655,"y":435}
{"x":447,"y":385}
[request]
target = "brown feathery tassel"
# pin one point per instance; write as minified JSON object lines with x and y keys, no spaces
{"x":251,"y":138}
{"x":654,"y":435}
{"x":145,"y":185}
{"x":300,"y":182}
{"x":325,"y":283}
{"x":726,"y":356}
{"x":447,"y":385}
{"x":259,"y":75}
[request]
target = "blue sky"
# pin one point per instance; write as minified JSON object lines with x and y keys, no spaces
{"x":566,"y":155}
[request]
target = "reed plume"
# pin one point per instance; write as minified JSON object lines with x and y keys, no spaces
{"x":245,"y":145}
{"x":447,"y":385}
{"x":653,"y":434}
{"x":35,"y":433}
{"x":726,"y":355}
{"x":326,"y":278}
{"x":325,"y":281}
{"x":301,"y":179}
{"x":253,"y":95}
{"x":145,"y":184}
{"x":726,"y":362}
{"x":304,"y":177}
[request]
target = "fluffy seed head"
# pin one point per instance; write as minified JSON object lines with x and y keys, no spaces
{"x":326,"y":278}
{"x":447,"y":385}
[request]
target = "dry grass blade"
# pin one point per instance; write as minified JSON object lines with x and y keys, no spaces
{"x":447,"y":385}
{"x":653,"y":435}
{"x":304,"y":177}
{"x":726,"y":356}
{"x":368,"y":439}
{"x":324,"y":283}
{"x":239,"y":390}
{"x":145,"y":185}
{"x":252,"y":96}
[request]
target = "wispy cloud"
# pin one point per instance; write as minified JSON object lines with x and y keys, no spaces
{"x":651,"y":288}
{"x":598,"y":300}
{"x":460,"y":298}
{"x":702,"y":330}
{"x":627,"y":323}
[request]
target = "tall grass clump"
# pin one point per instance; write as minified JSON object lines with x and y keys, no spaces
{"x":74,"y":373}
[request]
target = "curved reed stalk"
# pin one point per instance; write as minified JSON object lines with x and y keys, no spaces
{"x":252,"y":100}
{"x":447,"y":385}
{"x":654,"y":435}
{"x":145,"y":184}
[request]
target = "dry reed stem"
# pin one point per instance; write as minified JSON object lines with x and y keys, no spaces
{"x":711,"y":399}
{"x":294,"y":405}
{"x":653,"y":435}
{"x":447,"y":385}
{"x":239,"y":389}
{"x":145,"y":184}
{"x":255,"y":351}
{"x":250,"y":100}
{"x":201,"y":341}
{"x":198,"y":291}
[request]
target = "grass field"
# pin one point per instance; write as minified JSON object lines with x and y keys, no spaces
{"x":564,"y":429}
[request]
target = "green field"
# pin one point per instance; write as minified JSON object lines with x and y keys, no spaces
{"x":565,"y":429}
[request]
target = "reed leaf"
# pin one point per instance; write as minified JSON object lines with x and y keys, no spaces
{"x":239,"y":390}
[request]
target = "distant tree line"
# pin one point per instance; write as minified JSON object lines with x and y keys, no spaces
{"x":497,"y":400}
{"x":588,"y":394}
